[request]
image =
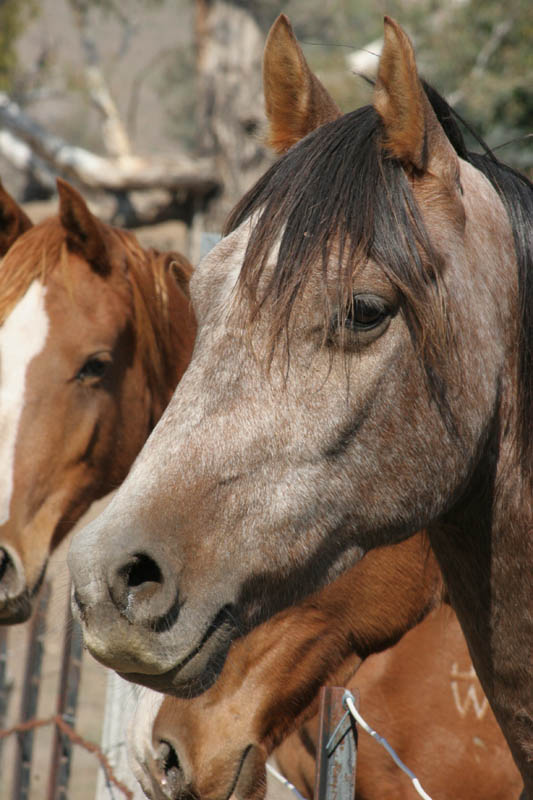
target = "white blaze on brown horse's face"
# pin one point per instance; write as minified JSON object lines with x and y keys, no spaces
{"x":22,"y":337}
{"x":77,"y":394}
{"x":312,"y":423}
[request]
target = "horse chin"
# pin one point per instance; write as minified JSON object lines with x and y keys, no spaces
{"x":143,"y":656}
{"x":194,"y":674}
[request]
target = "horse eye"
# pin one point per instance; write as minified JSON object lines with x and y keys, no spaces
{"x":94,"y":368}
{"x":365,"y":313}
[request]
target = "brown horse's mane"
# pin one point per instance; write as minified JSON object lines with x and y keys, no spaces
{"x":43,"y":250}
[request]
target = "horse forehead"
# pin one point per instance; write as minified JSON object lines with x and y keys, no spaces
{"x":217,"y":273}
{"x":81,"y":290}
{"x":22,"y":337}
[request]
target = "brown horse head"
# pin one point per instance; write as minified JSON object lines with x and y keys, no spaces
{"x":207,"y":745}
{"x":95,"y":333}
{"x":362,"y":369}
{"x":422,"y":694}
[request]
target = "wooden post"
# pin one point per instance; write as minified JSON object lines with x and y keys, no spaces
{"x":337,"y":748}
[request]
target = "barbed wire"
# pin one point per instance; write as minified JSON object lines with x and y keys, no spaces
{"x":76,"y":739}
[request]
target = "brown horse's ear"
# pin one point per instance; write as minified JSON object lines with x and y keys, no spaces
{"x":181,"y":270}
{"x":85,"y":233}
{"x":412,"y":132}
{"x":295,"y":101}
{"x":13,"y":221}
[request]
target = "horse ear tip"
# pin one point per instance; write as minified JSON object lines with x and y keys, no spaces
{"x":394,"y":33}
{"x":64,"y":189}
{"x":281,"y":27}
{"x":390,"y":23}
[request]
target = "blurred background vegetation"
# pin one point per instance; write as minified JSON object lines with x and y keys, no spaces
{"x":478,"y":53}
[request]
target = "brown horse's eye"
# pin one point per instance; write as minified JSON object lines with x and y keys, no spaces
{"x":93,"y":370}
{"x":365,"y":313}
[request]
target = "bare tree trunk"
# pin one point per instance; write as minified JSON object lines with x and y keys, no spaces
{"x":231,"y":116}
{"x":114,"y":135}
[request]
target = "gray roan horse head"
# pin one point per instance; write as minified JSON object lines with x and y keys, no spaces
{"x":362,"y":370}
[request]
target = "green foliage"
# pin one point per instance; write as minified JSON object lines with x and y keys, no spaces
{"x":14,"y":16}
{"x":478,"y":53}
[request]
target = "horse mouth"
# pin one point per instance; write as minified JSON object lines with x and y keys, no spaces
{"x":238,"y":771}
{"x":199,"y":669}
{"x":169,"y":775}
{"x":18,"y":609}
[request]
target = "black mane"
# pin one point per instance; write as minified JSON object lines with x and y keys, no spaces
{"x":338,"y":187}
{"x":516,"y":193}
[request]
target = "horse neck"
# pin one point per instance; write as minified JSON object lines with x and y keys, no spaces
{"x":407,"y":583}
{"x":169,"y":330}
{"x":484,"y":546}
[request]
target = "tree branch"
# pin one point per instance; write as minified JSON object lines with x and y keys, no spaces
{"x":116,"y":174}
{"x":114,"y":134}
{"x":499,"y":32}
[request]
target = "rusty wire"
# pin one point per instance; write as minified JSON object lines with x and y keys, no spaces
{"x":75,"y":738}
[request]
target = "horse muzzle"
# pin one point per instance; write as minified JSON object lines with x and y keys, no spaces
{"x":15,"y":596}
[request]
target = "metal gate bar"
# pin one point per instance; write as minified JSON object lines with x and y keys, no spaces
{"x":4,"y":684}
{"x":66,"y":707}
{"x":337,"y":748}
{"x":30,"y":696}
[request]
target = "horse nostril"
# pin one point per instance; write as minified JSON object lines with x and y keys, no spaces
{"x":141,"y":569}
{"x":11,"y":578}
{"x":168,"y":767}
{"x":135,"y":582}
{"x":4,"y":563}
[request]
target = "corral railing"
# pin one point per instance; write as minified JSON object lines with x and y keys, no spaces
{"x":52,"y":708}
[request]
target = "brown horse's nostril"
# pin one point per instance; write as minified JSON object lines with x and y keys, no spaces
{"x":4,"y":561}
{"x":15,"y":597}
{"x":168,"y":769}
{"x":12,"y":581}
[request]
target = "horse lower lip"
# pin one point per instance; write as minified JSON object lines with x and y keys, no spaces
{"x":172,"y":681}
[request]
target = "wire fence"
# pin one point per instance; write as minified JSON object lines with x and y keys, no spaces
{"x":53,"y":708}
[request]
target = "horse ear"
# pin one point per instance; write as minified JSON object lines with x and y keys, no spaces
{"x":295,"y":101}
{"x":412,"y":132}
{"x":180,"y":269}
{"x":85,"y":233}
{"x":13,"y":221}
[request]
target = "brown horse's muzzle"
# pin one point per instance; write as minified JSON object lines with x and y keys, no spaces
{"x":15,"y":596}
